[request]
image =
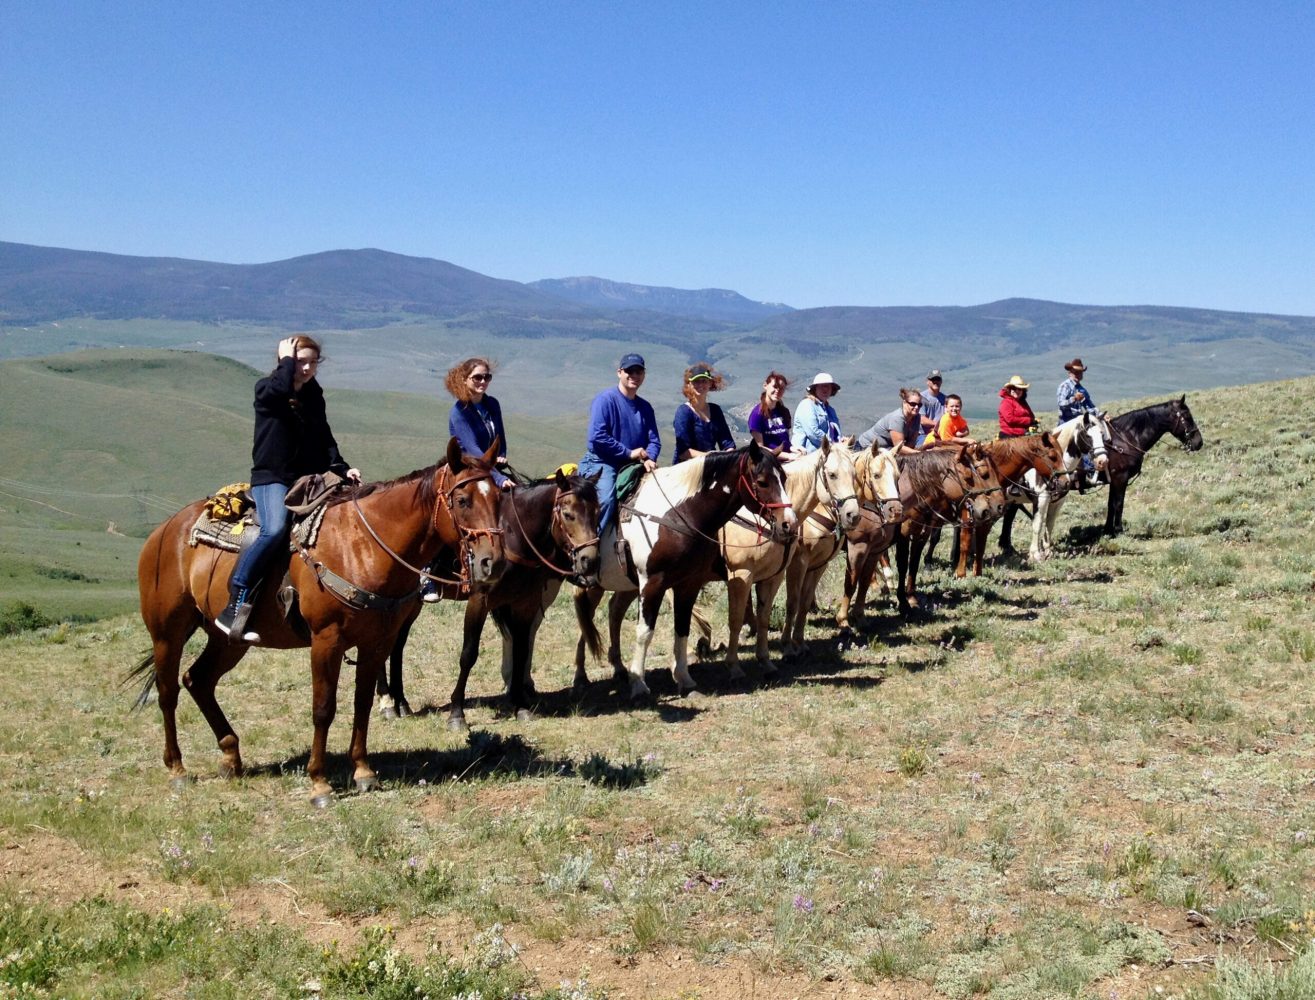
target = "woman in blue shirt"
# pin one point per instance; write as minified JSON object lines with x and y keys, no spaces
{"x":476,"y":418}
{"x":815,"y":418}
{"x":700,"y":425}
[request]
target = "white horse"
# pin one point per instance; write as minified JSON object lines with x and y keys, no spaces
{"x":821,"y":484}
{"x":671,"y":534}
{"x":1083,"y":435}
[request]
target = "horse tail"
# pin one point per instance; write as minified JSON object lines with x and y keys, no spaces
{"x":584,"y":616}
{"x":701,"y":623}
{"x":144,"y":669}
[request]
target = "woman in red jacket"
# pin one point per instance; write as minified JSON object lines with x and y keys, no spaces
{"x":1016,"y":417}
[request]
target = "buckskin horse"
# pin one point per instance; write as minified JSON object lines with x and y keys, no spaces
{"x":550,"y":534}
{"x":672,"y":540}
{"x":355,"y":588}
{"x":882,"y":511}
{"x":821,"y":488}
{"x":1132,"y":435}
{"x":941,"y":487}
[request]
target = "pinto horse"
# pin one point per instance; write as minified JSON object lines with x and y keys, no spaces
{"x":671,"y":537}
{"x":550,"y":534}
{"x":355,"y":588}
{"x":1132,"y":435}
{"x":822,"y":484}
{"x":1084,"y":435}
{"x":941,"y":487}
{"x":882,"y":511}
{"x":1013,"y":457}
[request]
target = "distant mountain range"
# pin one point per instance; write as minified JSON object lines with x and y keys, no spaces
{"x":389,"y":307}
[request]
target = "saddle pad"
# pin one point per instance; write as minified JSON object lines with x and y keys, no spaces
{"x":627,"y":481}
{"x":306,"y":531}
{"x":227,"y":535}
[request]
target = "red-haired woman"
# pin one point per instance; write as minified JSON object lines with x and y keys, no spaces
{"x":769,"y":420}
{"x":476,"y":418}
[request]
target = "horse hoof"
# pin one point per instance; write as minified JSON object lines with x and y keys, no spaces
{"x":230,"y":770}
{"x":524,"y":715}
{"x":403,"y":709}
{"x":322,"y":801}
{"x":457,"y":724}
{"x":388,"y":712}
{"x":369,"y":783}
{"x":180,"y":782}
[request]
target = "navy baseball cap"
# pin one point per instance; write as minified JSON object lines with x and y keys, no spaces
{"x":631,"y":361}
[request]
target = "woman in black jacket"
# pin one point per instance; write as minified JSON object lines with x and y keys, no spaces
{"x":292,"y":439}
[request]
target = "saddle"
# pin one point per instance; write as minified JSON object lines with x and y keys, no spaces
{"x":628,"y":478}
{"x":229,"y":520}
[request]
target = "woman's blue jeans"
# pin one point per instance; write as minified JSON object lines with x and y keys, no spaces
{"x":273,"y":533}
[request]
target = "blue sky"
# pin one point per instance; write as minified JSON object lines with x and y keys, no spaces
{"x":815,"y":154}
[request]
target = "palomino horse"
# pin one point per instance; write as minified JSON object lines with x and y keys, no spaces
{"x":355,"y":588}
{"x":1083,"y":435}
{"x":821,"y":483}
{"x":672,"y":540}
{"x":882,"y":511}
{"x":941,"y":487}
{"x":1013,"y":458}
{"x":1132,"y":435}
{"x":550,"y":533}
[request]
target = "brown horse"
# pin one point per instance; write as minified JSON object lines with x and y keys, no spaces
{"x":550,"y":534}
{"x":1013,"y":458}
{"x":354,"y":589}
{"x":941,"y":487}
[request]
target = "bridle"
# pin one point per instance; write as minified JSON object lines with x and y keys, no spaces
{"x":557,"y":531}
{"x":833,"y":502}
{"x":882,"y":505}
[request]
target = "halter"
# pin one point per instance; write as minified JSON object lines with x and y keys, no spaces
{"x":557,"y":530}
{"x":834,"y":503}
{"x":880,"y":506}
{"x":465,"y":536}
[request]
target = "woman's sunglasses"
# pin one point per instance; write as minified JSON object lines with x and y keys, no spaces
{"x":481,"y":378}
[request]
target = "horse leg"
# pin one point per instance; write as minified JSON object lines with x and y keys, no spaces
{"x":682,"y":600}
{"x":389,"y":687}
{"x":792,"y":631}
{"x":218,"y":658}
{"x":737,"y":594}
{"x":370,"y":659}
{"x":1007,"y":530}
{"x":750,"y":619}
{"x":1039,"y":519}
{"x":586,"y":602}
{"x":617,"y":606}
{"x":766,"y":599}
{"x":652,"y":590}
{"x":325,"y":665}
{"x":932,"y":540}
{"x":166,"y":654}
{"x":915,"y":549}
{"x":901,"y":573}
{"x":963,"y":545}
{"x":1114,"y":508}
{"x":472,"y":627}
{"x":980,"y":534}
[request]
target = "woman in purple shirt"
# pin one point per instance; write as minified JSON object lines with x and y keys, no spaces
{"x":769,"y":421}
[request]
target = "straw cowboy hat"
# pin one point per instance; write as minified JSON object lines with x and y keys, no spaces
{"x":1075,"y":365}
{"x":824,"y":378}
{"x":1016,"y":382}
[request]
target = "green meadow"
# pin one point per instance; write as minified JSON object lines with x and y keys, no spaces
{"x":1086,"y":778}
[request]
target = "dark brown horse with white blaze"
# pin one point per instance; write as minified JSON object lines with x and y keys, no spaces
{"x":672,"y":537}
{"x":944,"y":487}
{"x":1132,"y":435}
{"x":372,"y":540}
{"x":550,"y":534}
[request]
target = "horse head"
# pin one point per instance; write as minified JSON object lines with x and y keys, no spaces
{"x":1047,"y":455}
{"x":835,"y":485}
{"x":880,"y":485}
{"x":1183,"y":426}
{"x":472,"y":503}
{"x":761,"y":487}
{"x":575,"y":524}
{"x":983,"y":495}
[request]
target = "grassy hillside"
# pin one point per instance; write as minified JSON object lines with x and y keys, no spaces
{"x":1087,"y":778}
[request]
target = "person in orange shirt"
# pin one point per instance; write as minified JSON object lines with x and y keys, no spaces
{"x":952,"y":429}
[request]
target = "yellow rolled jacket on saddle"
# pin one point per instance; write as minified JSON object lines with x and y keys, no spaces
{"x":229,"y":503}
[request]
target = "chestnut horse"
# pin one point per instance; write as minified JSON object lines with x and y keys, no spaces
{"x":355,"y":588}
{"x":550,"y":534}
{"x":672,"y":541}
{"x":941,"y":487}
{"x":1132,"y":435}
{"x":865,"y":546}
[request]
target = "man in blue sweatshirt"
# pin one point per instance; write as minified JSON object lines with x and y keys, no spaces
{"x":622,"y":429}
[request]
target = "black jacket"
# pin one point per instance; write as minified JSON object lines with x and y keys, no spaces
{"x":292,"y":437}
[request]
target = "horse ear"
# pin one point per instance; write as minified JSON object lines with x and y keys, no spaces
{"x":491,"y":456}
{"x":826,"y":448}
{"x":755,"y":453}
{"x":454,"y":454}
{"x":595,"y":477}
{"x":1182,"y":400}
{"x":562,"y":482}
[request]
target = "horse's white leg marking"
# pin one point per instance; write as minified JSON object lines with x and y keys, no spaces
{"x":684,"y":682}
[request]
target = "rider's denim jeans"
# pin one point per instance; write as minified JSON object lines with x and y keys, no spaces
{"x":273,"y":533}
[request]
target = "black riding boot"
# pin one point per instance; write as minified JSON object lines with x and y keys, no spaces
{"x":232,"y":621}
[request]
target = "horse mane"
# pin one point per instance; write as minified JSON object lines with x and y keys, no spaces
{"x":927,"y":469}
{"x":425,"y":478}
{"x":1008,"y":446}
{"x":1143,"y":418}
{"x":800,"y":473}
{"x":863,"y":470}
